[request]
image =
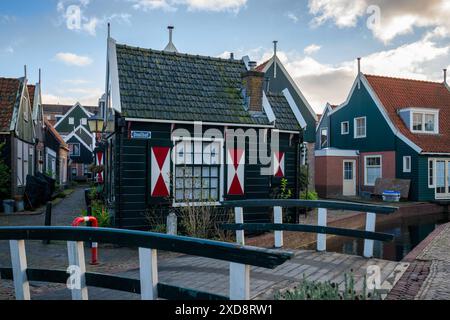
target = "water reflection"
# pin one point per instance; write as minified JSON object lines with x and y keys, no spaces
{"x":408,"y":234}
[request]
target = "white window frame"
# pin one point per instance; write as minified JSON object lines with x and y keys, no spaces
{"x":83,"y":121}
{"x":71,"y":120}
{"x":432,"y":167}
{"x":423,"y":113}
{"x":221,"y":172}
{"x":320,"y":140}
{"x":355,"y":129}
{"x":343,"y":132}
{"x":19,"y":163}
{"x":79,"y":149}
{"x":26,"y":117}
{"x":365,"y":168}
{"x":406,"y":160}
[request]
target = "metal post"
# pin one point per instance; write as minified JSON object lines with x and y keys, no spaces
{"x":370,"y":226}
{"x":48,"y":219}
{"x":278,"y":219}
{"x":322,"y":238}
{"x":19,"y":266}
{"x":148,"y":272}
{"x":239,"y":218}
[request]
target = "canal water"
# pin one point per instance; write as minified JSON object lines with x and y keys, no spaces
{"x":408,"y":233}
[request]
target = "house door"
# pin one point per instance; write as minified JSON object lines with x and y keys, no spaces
{"x":443,"y":179}
{"x":349,"y":182}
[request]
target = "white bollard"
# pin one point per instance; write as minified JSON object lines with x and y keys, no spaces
{"x":322,"y":238}
{"x":239,"y":218}
{"x":19,"y":266}
{"x":148,"y":272}
{"x":172,"y":224}
{"x":370,"y":226}
{"x":278,"y":219}
{"x":76,"y":259}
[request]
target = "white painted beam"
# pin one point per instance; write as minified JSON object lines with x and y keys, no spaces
{"x":322,"y":238}
{"x":370,"y":226}
{"x":239,"y":218}
{"x":76,"y":260}
{"x":19,"y":266}
{"x":278,"y":219}
{"x":239,"y":281}
{"x":148,"y":272}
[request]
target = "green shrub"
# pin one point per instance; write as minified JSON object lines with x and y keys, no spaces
{"x":5,"y":177}
{"x":309,"y":195}
{"x":313,"y":290}
{"x":99,"y":211}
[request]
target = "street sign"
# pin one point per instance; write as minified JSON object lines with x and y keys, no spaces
{"x":142,"y":135}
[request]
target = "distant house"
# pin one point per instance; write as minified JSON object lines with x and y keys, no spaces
{"x":74,"y":129}
{"x":17,"y":131}
{"x":54,"y":112}
{"x":155,"y":95}
{"x":57,"y":155}
{"x":388,"y":128}
{"x":279,"y":79}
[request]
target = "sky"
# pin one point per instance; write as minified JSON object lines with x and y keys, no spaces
{"x":318,"y":40}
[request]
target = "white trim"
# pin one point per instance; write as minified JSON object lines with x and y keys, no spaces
{"x":292,"y":82}
{"x":50,"y":152}
{"x":431,"y":186}
{"x":268,"y":109}
{"x":381,"y":108}
{"x":114,"y":99}
{"x":320,"y":139}
{"x":77,"y":104}
{"x":348,"y":128}
{"x":221,"y":174}
{"x":200,"y":122}
{"x":355,"y":128}
{"x":288,"y":131}
{"x":365,"y":168}
{"x":298,"y":115}
{"x":405,"y":167}
{"x":73,"y":134}
{"x":445,"y":195}
{"x":329,"y":152}
{"x":246,"y":60}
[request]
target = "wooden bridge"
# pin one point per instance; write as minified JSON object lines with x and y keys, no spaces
{"x":205,"y":269}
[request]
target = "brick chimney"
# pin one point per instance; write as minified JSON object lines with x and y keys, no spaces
{"x":253,"y":82}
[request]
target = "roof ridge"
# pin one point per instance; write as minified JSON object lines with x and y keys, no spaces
{"x":181,"y":54}
{"x":403,"y":79}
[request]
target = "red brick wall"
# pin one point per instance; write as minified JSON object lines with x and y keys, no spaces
{"x":388,"y":167}
{"x":329,"y":175}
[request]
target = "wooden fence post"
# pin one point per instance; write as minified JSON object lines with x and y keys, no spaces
{"x":278,"y":219}
{"x":19,"y":266}
{"x":76,"y":259}
{"x":370,"y":226}
{"x":148,"y":273}
{"x":239,"y":218}
{"x":239,"y":281}
{"x":322,"y":238}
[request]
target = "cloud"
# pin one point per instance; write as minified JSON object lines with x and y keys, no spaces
{"x":310,"y":50}
{"x":72,"y":59}
{"x":292,"y":16}
{"x":4,"y":18}
{"x":76,"y":81}
{"x":192,"y":5}
{"x":395,"y":18}
{"x":70,"y":96}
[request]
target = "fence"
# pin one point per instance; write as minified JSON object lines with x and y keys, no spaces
{"x":321,"y":228}
{"x":148,"y":286}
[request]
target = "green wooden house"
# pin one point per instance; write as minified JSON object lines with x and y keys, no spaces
{"x":388,"y":128}
{"x":172,"y":118}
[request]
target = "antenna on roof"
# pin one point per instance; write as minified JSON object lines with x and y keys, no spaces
{"x":275,"y":43}
{"x":109,"y":30}
{"x":170,"y":46}
{"x":445,"y":75}
{"x":359,"y":72}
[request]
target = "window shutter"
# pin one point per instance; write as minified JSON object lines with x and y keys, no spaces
{"x":236,"y":171}
{"x":160,"y":172}
{"x":100,"y":162}
{"x":278,"y":164}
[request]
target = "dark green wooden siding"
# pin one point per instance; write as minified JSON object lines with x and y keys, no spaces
{"x":77,"y":113}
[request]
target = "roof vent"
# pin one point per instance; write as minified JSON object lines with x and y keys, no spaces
{"x":170,"y":46}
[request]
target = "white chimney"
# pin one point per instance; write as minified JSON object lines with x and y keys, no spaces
{"x":170,"y":46}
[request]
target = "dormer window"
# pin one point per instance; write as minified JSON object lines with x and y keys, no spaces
{"x":425,"y":122}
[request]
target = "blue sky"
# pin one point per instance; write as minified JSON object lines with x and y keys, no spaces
{"x":319,"y":40}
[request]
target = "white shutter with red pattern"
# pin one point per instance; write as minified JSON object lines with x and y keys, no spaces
{"x":278,"y":164}
{"x":160,"y":172}
{"x":236,"y":170}
{"x":100,"y":162}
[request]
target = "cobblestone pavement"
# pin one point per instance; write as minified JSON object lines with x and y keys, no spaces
{"x":176,"y":269}
{"x":428,"y":276}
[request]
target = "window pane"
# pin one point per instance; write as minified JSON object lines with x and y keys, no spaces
{"x":417,"y":121}
{"x":429,"y":122}
{"x":214,"y":172}
{"x":440,"y":176}
{"x":179,"y":172}
{"x":214,"y":195}
{"x":214,"y":183}
{"x":206,"y":183}
{"x":197,"y":194}
{"x":197,"y":172}
{"x":179,"y":196}
{"x":188,"y":182}
{"x":430,"y":173}
{"x":179,"y":183}
{"x":197,"y":182}
{"x":205,"y":172}
{"x":205,"y":194}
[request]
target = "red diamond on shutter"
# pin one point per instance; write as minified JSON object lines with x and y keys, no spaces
{"x":236,"y":166}
{"x":160,"y":179}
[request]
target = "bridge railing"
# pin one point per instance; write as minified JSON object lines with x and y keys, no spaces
{"x":148,"y":286}
{"x":369,"y":235}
